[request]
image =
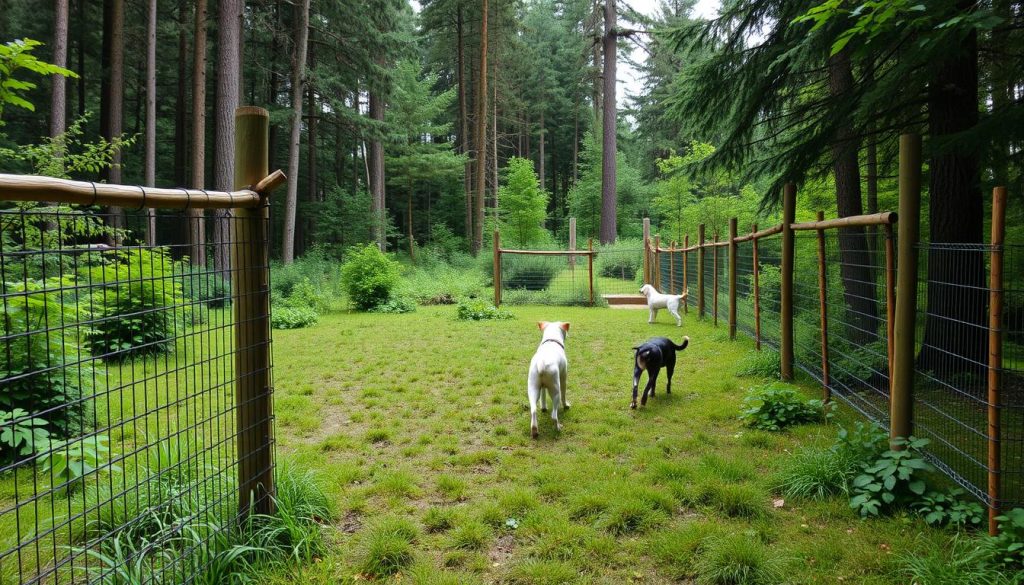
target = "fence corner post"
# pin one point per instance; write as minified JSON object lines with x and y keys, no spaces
{"x":700,"y":271}
{"x":497,"y":268}
{"x":572,"y":241}
{"x":714,"y":279}
{"x":995,"y":356}
{"x":656,"y":277}
{"x":757,"y":287}
{"x":250,"y":288}
{"x":590,"y":268}
{"x":786,"y":292}
{"x":672,"y":267}
{"x":686,"y":284}
{"x":826,"y":383}
{"x":647,"y":244}
{"x":732,"y":278}
{"x":901,"y":397}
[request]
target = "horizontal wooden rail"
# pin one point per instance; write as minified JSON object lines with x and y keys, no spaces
{"x":550,"y":252}
{"x":50,"y":190}
{"x":775,"y":229}
{"x":886,"y":218}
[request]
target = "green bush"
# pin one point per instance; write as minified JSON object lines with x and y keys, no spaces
{"x":531,"y":273}
{"x":1007,"y":549}
{"x":203,"y":285}
{"x":68,"y":462}
{"x":369,"y":276}
{"x":440,"y":284}
{"x":21,"y":435}
{"x":480,"y":310}
{"x":289,"y":316}
{"x":893,"y":481}
{"x":34,"y":380}
{"x":139,"y":309}
{"x":949,"y":509}
{"x":396,"y":306}
{"x":307,"y":294}
{"x":315,"y":265}
{"x":623,"y":259}
{"x":773,"y":407}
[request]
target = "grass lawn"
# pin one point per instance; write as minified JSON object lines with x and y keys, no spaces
{"x":419,"y":424}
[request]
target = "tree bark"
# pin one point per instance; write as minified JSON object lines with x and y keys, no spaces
{"x":376,"y":179}
{"x":58,"y":99}
{"x":80,"y":54}
{"x":112,"y":93}
{"x":294,"y":143}
{"x":150,"y":170}
{"x":954,"y":336}
{"x":467,"y":178}
{"x":408,"y":220}
{"x":609,"y":229}
{"x":541,"y":171}
{"x":229,"y":45}
{"x":855,"y":269}
{"x":180,"y":100}
{"x":481,"y":136}
{"x":312,"y":182}
{"x":195,"y":217}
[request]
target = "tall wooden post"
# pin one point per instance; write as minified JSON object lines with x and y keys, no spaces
{"x":590,"y":268}
{"x":647,"y":244}
{"x":672,"y":268}
{"x":732,"y":278}
{"x":250,"y":287}
{"x":714,"y":279}
{"x":901,"y":399}
{"x":572,"y":240}
{"x":700,"y":271}
{"x":822,"y":298}
{"x":757,"y":290}
{"x":657,"y":262}
{"x":890,"y":297}
{"x":497,"y":269}
{"x":786,"y":297}
{"x":995,"y":355}
{"x":686,"y":270}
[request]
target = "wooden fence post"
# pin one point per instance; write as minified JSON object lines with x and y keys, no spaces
{"x":700,"y":270}
{"x":995,"y":355}
{"x":714,"y":279}
{"x":890,"y":297}
{"x":647,"y":245}
{"x":657,"y":262}
{"x":757,"y":290}
{"x":572,"y":241}
{"x":590,"y":268}
{"x":686,"y":270}
{"x":732,"y":278}
{"x":786,"y":296}
{"x":250,"y":288}
{"x":822,"y":298}
{"x":497,"y":268}
{"x":672,"y":268}
{"x":901,"y":399}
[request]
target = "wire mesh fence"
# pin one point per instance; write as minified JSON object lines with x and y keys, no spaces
{"x":120,"y":446}
{"x":552,"y":278}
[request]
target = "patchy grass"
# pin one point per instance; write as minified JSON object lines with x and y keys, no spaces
{"x":422,"y":420}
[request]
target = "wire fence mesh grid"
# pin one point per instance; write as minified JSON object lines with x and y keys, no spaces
{"x":118,"y":434}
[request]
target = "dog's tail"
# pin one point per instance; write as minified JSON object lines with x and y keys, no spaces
{"x":686,"y":341}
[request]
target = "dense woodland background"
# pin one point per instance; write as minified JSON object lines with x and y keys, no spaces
{"x":397,"y":123}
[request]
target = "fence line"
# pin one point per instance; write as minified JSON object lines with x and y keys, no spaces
{"x":136,"y":384}
{"x":934,"y":368}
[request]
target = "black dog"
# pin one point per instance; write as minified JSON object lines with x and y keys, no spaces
{"x":652,"y":355}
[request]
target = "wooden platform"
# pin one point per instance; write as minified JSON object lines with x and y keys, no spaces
{"x":625,"y":301}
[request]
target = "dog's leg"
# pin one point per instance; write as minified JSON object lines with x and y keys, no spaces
{"x":670,"y":368}
{"x":652,"y":378}
{"x":653,"y":315}
{"x":543,"y":400}
{"x":561,"y":379}
{"x":637,"y":370}
{"x":532,"y":390}
{"x":556,"y":397}
{"x":675,"y":313}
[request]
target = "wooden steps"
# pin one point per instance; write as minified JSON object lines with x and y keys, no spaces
{"x":625,"y":301}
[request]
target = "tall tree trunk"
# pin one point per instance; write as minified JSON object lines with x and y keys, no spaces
{"x":151,"y":116}
{"x":576,"y":142}
{"x":272,"y":86}
{"x":294,"y":143}
{"x":608,"y":194}
{"x":80,"y":53}
{"x":541,"y":171}
{"x":595,"y":52}
{"x":494,"y":152}
{"x":112,"y":93}
{"x":467,"y":177}
{"x":195,"y":217}
{"x":58,"y":99}
{"x":954,"y":337}
{"x":229,"y":45}
{"x":376,"y":170}
{"x":855,"y":270}
{"x":408,"y":221}
{"x":181,"y":97}
{"x":481,"y":136}
{"x":312,"y":183}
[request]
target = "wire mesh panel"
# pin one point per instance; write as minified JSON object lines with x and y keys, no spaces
{"x":1011,"y":405}
{"x":546,"y":279}
{"x":745,"y":288}
{"x":806,"y":305}
{"x":118,"y":434}
{"x":769,"y":255}
{"x":617,"y":269}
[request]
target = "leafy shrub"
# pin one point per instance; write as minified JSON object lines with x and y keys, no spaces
{"x":894,"y":480}
{"x":773,"y":407}
{"x":34,"y":382}
{"x":623,"y":259}
{"x":202,"y":285}
{"x":441,"y":284}
{"x":21,"y":435}
{"x":288,"y":316}
{"x":532,"y":273}
{"x":315,"y":266}
{"x":396,"y":306}
{"x":480,"y":310}
{"x":138,"y":309}
{"x":760,"y":364}
{"x":307,"y":294}
{"x":942,"y":509}
{"x":369,"y":276}
{"x":67,"y":462}
{"x":1007,"y":549}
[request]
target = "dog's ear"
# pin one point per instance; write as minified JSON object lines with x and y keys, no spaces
{"x":565,"y":327}
{"x":541,"y":325}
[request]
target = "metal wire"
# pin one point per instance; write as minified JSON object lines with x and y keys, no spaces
{"x":118,"y":372}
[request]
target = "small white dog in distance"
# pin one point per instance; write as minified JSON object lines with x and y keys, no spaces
{"x":656,"y":300}
{"x":547,"y":372}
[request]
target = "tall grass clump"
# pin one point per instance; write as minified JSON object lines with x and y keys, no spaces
{"x":760,"y":364}
{"x":386,"y":547}
{"x":816,"y":473}
{"x":963,"y":562}
{"x":737,"y":559}
{"x":294,"y":531}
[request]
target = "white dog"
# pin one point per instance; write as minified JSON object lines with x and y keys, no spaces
{"x":656,"y":300}
{"x":547,"y":371}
